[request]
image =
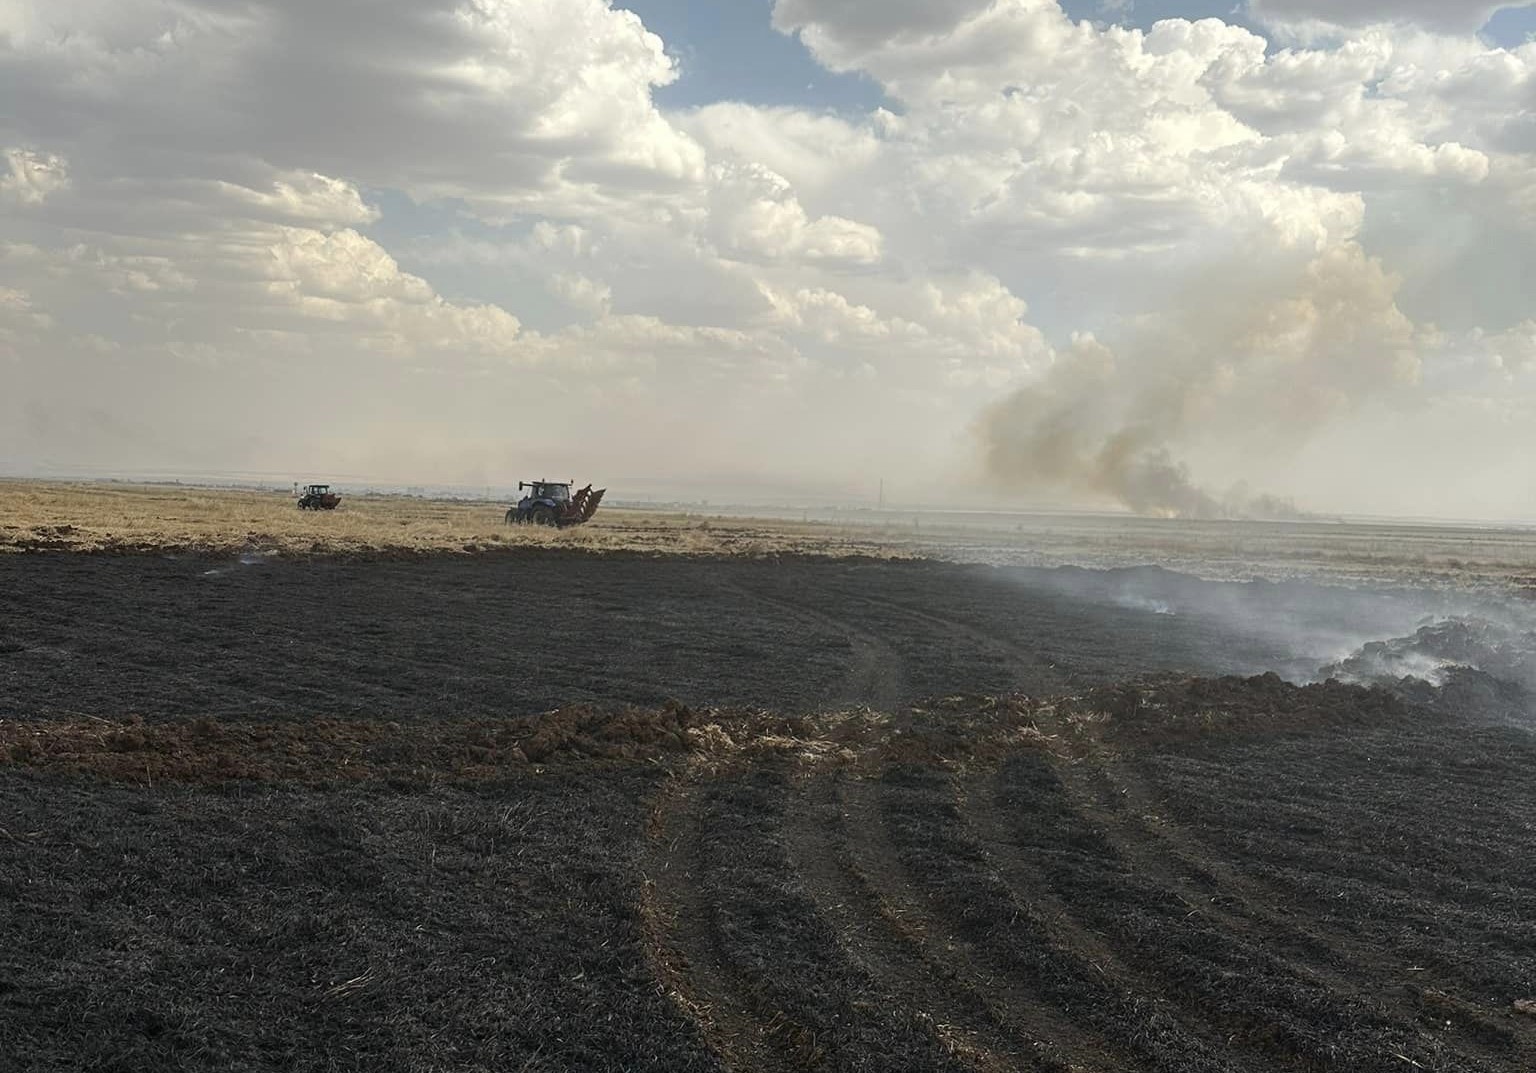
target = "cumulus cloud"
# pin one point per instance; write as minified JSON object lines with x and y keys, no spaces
{"x":499,"y":99}
{"x":28,"y":178}
{"x":863,"y":24}
{"x":1157,"y":261}
{"x":755,"y":214}
{"x":812,"y":151}
{"x":581,"y":292}
{"x":1464,"y":16}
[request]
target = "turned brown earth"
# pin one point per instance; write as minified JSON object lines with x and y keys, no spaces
{"x":309,"y":816}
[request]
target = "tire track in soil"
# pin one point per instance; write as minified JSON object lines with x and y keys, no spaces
{"x":1256,"y":909}
{"x":1122,"y":805}
{"x":757,"y":966}
{"x":1070,"y":931}
{"x":874,"y":933}
{"x":1125,"y":1028}
{"x":1043,"y":674}
{"x":681,"y":946}
{"x":990,"y":826}
{"x":1034,"y":668}
{"x":1021,"y":1014}
{"x":878,"y":678}
{"x":877,"y":673}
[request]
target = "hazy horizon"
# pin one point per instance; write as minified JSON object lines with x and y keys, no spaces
{"x":731,"y":498}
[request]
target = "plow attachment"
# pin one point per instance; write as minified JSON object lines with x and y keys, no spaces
{"x":584,"y":504}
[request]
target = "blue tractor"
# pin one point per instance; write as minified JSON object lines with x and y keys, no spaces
{"x":552,"y":503}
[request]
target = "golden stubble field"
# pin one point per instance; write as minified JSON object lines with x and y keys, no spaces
{"x":110,"y":517}
{"x":124,"y":518}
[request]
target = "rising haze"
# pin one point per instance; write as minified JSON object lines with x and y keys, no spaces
{"x":1120,"y":253}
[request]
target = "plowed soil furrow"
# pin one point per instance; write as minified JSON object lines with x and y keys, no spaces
{"x":1411,"y":946}
{"x":1394,"y":842}
{"x":1363,"y":972}
{"x":1027,"y":869}
{"x":876,"y":673}
{"x":1229,"y":976}
{"x":1380,"y":871}
{"x":1008,"y":935}
{"x":876,"y":843}
{"x":1492,"y":957}
{"x":682,"y":945}
{"x":1020,"y":665}
{"x":1255,"y":920}
{"x":1020,"y":1012}
{"x":835,"y":871}
{"x":762,"y":950}
{"x":1237,"y":901}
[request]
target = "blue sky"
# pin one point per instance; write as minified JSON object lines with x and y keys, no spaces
{"x":730,"y":51}
{"x":1298,"y":273}
{"x":1512,"y":26}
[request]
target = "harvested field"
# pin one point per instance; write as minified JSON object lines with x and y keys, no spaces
{"x":127,"y":519}
{"x":548,"y":811}
{"x":491,"y":636}
{"x":986,"y":884}
{"x":117,"y":518}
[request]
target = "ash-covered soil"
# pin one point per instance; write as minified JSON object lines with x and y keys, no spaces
{"x":310,"y":817}
{"x":518,"y":634}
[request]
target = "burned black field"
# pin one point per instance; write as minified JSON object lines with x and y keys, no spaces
{"x":789,"y":815}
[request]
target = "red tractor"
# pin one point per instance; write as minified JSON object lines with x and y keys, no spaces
{"x":551,"y":503}
{"x":318,"y":497}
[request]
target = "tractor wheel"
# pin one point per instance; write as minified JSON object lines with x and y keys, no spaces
{"x":543,"y":516}
{"x":511,"y":515}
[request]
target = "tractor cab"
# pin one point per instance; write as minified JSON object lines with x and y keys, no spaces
{"x":317,"y":489}
{"x":557,"y":492}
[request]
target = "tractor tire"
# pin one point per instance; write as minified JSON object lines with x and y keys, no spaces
{"x":511,"y":516}
{"x":543,"y":516}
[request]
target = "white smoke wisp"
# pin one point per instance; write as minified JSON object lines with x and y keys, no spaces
{"x":1246,"y":364}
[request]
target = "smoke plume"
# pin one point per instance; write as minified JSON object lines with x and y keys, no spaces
{"x":1246,"y":365}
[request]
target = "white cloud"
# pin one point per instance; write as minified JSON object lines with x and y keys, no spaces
{"x":28,"y":178}
{"x":1465,"y":16}
{"x":860,"y":23}
{"x":581,"y":292}
{"x":754,"y":214}
{"x":302,"y":197}
{"x":510,"y":101}
{"x":810,"y":150}
{"x":439,"y":211}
